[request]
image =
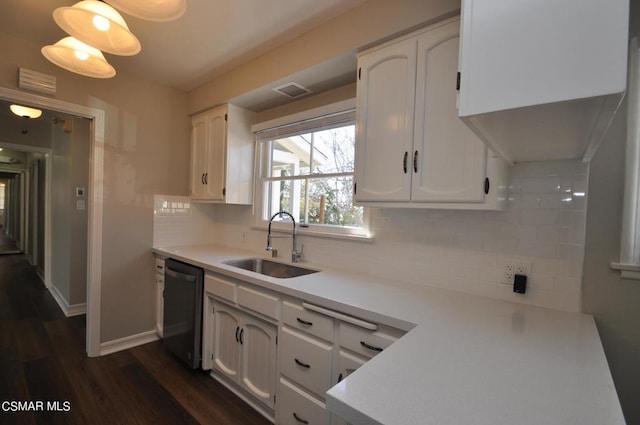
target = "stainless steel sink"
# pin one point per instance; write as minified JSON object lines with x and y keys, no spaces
{"x":270,"y":268}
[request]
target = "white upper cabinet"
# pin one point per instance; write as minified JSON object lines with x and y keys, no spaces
{"x":222,"y":148}
{"x":412,"y":149}
{"x":542,"y":79}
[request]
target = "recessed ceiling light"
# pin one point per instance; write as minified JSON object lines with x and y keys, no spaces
{"x":75,"y":56}
{"x":25,"y":111}
{"x":99,"y":25}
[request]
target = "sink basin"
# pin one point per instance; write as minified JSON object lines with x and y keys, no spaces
{"x":270,"y":268}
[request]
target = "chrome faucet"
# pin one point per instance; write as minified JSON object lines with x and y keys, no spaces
{"x":295,"y":255}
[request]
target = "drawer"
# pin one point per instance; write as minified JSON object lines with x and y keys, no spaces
{"x":160,"y":266}
{"x":366,"y":342}
{"x":220,"y":288}
{"x":296,"y":407}
{"x":305,"y":360}
{"x":259,"y":301}
{"x":302,"y":319}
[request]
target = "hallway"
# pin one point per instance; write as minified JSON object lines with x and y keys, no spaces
{"x":42,"y":359}
{"x":7,"y":245}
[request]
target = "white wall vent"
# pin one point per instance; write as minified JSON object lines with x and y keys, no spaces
{"x":36,"y":81}
{"x":292,"y":90}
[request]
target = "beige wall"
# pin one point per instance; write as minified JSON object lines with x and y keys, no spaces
{"x":372,"y":21}
{"x":146,"y":152}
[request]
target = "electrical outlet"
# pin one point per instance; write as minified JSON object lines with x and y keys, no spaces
{"x":512,"y":268}
{"x":244,"y":237}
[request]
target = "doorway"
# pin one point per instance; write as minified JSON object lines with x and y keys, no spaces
{"x":93,"y":204}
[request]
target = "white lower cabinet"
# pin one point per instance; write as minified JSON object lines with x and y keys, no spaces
{"x":297,"y":407}
{"x":306,"y":360}
{"x":159,"y":295}
{"x":282,"y":355}
{"x":244,"y":351}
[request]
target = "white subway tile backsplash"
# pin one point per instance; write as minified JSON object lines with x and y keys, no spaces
{"x":467,"y":251}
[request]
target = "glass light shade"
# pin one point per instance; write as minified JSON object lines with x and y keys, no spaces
{"x":75,"y":56}
{"x":151,"y":10}
{"x":99,"y":25}
{"x":25,"y":111}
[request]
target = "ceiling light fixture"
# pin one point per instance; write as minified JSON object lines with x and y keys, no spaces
{"x":25,"y":111}
{"x":99,"y":25}
{"x":76,"y":56}
{"x":151,"y":10}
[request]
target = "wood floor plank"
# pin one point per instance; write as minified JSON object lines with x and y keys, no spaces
{"x":47,"y":382}
{"x":195,"y":389}
{"x":32,"y":339}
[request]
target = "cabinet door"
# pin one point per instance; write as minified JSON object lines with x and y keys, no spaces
{"x":226,"y":346}
{"x":258,"y":369}
{"x":216,"y":154}
{"x":198,"y":155}
{"x":518,"y":53}
{"x":384,"y":123}
{"x":448,"y":161}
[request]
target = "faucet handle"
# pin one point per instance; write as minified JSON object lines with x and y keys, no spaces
{"x":295,"y":255}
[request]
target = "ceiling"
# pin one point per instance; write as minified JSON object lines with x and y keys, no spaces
{"x":212,"y":37}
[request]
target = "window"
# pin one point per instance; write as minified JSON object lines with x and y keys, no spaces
{"x":306,"y":169}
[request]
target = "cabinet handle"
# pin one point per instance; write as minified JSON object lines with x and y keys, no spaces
{"x":404,"y":161}
{"x":370,"y":347}
{"x":297,"y":418}
{"x":340,"y":378}
{"x":202,"y":178}
{"x":415,"y":162}
{"x":206,"y":176}
{"x":237,"y":330}
{"x":304,"y":322}
{"x":304,"y":365}
{"x":241,"y":333}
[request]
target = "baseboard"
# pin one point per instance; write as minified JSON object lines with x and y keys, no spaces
{"x":68,"y":310}
{"x":128,"y":342}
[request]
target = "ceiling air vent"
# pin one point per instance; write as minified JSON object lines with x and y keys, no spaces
{"x":292,"y":90}
{"x":36,"y":81}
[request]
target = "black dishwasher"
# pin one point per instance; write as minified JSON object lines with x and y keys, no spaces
{"x":182,"y":317}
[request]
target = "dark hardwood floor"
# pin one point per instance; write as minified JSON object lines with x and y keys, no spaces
{"x":7,"y":245}
{"x":42,"y":359}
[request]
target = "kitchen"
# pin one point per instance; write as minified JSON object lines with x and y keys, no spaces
{"x":145,"y":120}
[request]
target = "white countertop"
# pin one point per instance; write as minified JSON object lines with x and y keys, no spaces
{"x":466,"y":359}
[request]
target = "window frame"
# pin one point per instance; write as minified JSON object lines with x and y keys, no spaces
{"x":260,"y":198}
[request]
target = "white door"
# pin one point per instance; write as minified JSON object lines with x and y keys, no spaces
{"x":226,"y":340}
{"x":448,"y":161}
{"x":258,"y":364}
{"x":216,"y":154}
{"x":198,"y":155}
{"x":384,"y":123}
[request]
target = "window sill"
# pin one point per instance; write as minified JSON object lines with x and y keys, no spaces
{"x":627,"y":271}
{"x":305,"y":231}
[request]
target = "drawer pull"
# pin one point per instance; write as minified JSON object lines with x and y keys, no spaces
{"x":370,"y":347}
{"x":304,"y":365}
{"x":299,"y":419}
{"x":237,"y":330}
{"x":304,"y":322}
